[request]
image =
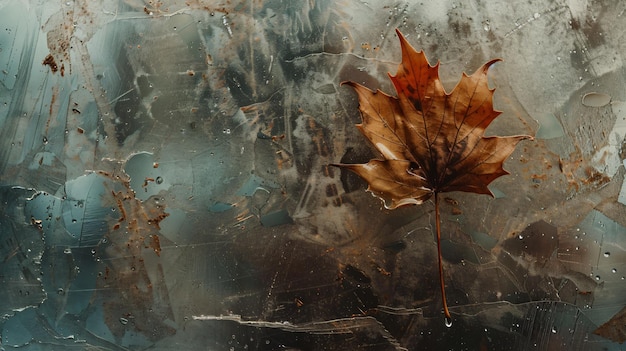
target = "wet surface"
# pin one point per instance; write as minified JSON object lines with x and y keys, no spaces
{"x":165,"y":183}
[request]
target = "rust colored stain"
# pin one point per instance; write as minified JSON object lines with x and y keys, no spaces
{"x":155,"y":244}
{"x":144,"y":301}
{"x":53,"y":99}
{"x":49,"y":61}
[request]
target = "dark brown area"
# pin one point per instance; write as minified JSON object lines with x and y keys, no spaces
{"x":539,"y":240}
{"x":49,"y":61}
{"x":307,"y":282}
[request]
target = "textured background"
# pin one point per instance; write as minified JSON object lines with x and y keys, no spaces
{"x":165,"y":183}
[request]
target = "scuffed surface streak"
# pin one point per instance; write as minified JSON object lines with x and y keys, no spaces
{"x":165,"y":184}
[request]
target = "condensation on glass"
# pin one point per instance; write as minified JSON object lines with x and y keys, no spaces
{"x":165,"y":183}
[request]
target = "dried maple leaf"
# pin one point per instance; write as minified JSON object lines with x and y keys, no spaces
{"x":430,"y":141}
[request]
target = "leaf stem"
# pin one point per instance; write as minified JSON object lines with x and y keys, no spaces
{"x":441,"y":282}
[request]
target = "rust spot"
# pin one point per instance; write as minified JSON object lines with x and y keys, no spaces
{"x":145,"y":182}
{"x":451,"y":201}
{"x":328,"y":171}
{"x":595,"y":177}
{"x":156,"y":220}
{"x":383,"y":271}
{"x":53,"y":100}
{"x":155,"y":244}
{"x":80,"y":130}
{"x":319,"y":137}
{"x":278,"y":137}
{"x":120,"y":205}
{"x":49,"y":61}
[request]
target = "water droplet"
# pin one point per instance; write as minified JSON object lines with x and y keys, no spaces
{"x":448,"y":322}
{"x":614,"y":270}
{"x":67,"y":251}
{"x":597,"y":277}
{"x":45,"y":140}
{"x":607,"y":254}
{"x":594,"y":99}
{"x":123,"y":320}
{"x":520,"y":237}
{"x":553,"y":330}
{"x":159,"y":180}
